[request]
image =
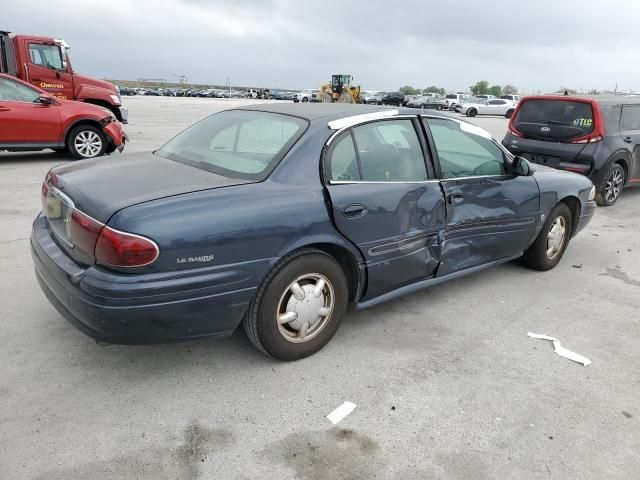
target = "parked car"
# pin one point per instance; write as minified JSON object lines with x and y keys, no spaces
{"x":202,"y":234}
{"x":375,"y":99}
{"x":514,"y":98}
{"x":393,"y":98}
{"x":126,"y":91}
{"x":427,"y":102}
{"x":453,"y":99}
{"x":32,"y":119}
{"x":597,"y":138}
{"x":490,"y":107}
{"x":305,"y":96}
{"x":368,"y":96}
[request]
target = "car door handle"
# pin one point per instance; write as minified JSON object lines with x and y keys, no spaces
{"x":628,"y":139}
{"x":455,"y":197}
{"x":355,"y":210}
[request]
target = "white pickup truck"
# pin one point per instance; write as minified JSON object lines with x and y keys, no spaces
{"x":453,"y":99}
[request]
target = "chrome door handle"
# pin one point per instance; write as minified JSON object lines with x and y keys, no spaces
{"x":355,"y":210}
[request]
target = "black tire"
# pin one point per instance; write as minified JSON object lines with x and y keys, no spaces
{"x":509,"y":113}
{"x":91,"y":132}
{"x":440,"y":107}
{"x":537,"y":255}
{"x":305,"y":99}
{"x":261,"y":320}
{"x":472,"y":112}
{"x":609,"y":190}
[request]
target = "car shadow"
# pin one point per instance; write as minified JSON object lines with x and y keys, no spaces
{"x":33,"y":157}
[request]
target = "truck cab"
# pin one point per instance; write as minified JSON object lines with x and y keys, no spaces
{"x":44,"y":62}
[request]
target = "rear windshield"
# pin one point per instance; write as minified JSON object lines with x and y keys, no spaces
{"x":554,"y":119}
{"x":452,"y":96}
{"x":236,"y":143}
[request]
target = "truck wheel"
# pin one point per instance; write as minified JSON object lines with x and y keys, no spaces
{"x":472,"y":112}
{"x":345,"y":98}
{"x":326,"y":98}
{"x":547,"y":250}
{"x":299,"y":306}
{"x":86,"y":141}
{"x":609,"y":190}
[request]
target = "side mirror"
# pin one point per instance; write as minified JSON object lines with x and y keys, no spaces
{"x":45,"y":100}
{"x":521,"y":167}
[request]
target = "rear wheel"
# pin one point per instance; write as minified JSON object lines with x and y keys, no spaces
{"x":299,"y":306}
{"x":345,"y":98}
{"x":86,"y":141}
{"x":552,"y":241}
{"x":305,"y":99}
{"x":327,"y":98}
{"x":610,"y":189}
{"x":472,"y":112}
{"x":509,"y":113}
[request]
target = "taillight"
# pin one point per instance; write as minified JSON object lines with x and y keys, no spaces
{"x":83,"y":231}
{"x":589,"y":139}
{"x":121,"y":249}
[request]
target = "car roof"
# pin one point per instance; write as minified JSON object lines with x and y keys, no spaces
{"x":604,"y":102}
{"x":314,"y":111}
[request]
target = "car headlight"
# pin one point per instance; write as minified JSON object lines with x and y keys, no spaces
{"x":592,"y":192}
{"x":116,"y":99}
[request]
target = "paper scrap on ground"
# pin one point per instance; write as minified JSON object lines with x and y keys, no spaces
{"x":342,"y":411}
{"x":560,"y":350}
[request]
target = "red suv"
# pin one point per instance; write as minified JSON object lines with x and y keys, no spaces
{"x":32,"y":119}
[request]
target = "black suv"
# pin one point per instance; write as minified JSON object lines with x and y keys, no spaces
{"x":394,"y":98}
{"x":597,"y":138}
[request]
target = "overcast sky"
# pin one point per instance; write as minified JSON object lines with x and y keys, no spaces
{"x":535,"y":45}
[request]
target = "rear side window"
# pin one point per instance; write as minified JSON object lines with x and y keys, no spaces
{"x":236,"y":143}
{"x":16,"y":92}
{"x":344,"y":161}
{"x":612,"y":118}
{"x":554,"y":119}
{"x":390,"y":151}
{"x":631,"y":117}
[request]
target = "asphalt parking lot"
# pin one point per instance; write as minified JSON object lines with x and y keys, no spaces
{"x":447,"y":383}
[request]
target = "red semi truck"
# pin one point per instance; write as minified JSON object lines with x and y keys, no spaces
{"x":44,"y":62}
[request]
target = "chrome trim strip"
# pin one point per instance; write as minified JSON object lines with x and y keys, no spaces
{"x":345,"y":122}
{"x":348,"y":182}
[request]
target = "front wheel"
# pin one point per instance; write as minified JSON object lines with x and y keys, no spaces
{"x":86,"y":141}
{"x":299,"y":307}
{"x":609,"y":190}
{"x":552,"y":241}
{"x":472,"y":112}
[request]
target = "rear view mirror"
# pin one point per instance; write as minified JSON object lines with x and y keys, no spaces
{"x":521,"y":167}
{"x":45,"y":100}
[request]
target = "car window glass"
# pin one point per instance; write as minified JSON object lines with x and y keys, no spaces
{"x":236,"y":143}
{"x":13,"y":91}
{"x":612,"y":118}
{"x":631,"y":117}
{"x":465,"y":153}
{"x":45,"y":55}
{"x":344,"y":162}
{"x":390,"y":151}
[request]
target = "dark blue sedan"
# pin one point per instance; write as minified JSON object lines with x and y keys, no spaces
{"x":280,"y":216}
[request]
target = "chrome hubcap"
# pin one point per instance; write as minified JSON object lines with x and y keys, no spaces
{"x":88,"y":143}
{"x":614,"y":185}
{"x":305,"y":307}
{"x":555,"y":237}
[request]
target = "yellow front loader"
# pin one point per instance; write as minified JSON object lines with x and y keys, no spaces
{"x":340,"y":90}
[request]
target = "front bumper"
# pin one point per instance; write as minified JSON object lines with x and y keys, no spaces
{"x":149,"y":308}
{"x":124,"y":114}
{"x":586,"y":214}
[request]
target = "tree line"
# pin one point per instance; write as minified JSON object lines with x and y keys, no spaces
{"x":479,"y":88}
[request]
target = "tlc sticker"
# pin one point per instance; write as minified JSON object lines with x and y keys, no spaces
{"x":583,"y":122}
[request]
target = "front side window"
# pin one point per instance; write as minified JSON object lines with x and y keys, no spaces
{"x":47,"y":56}
{"x":236,"y":143}
{"x":16,"y":92}
{"x":389,"y":151}
{"x":465,"y":150}
{"x":631,"y":117}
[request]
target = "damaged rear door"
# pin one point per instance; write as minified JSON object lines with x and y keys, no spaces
{"x":385,"y":200}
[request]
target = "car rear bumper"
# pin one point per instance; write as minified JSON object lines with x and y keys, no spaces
{"x":155,"y":308}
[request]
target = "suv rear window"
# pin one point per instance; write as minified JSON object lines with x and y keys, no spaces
{"x":236,"y":143}
{"x":554,"y":120}
{"x":451,"y":96}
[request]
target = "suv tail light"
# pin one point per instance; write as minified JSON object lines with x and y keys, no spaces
{"x":589,"y":139}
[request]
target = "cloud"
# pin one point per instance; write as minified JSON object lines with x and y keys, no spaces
{"x":291,"y":44}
